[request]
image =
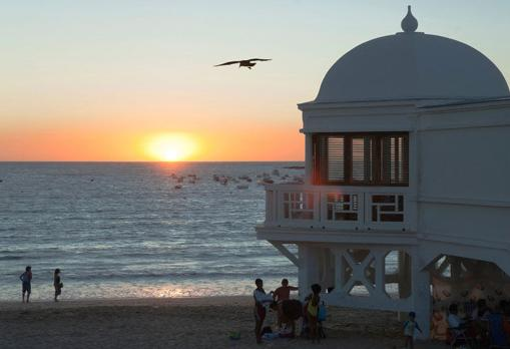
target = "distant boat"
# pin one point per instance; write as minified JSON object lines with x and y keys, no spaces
{"x":294,"y":167}
{"x":243,"y":186}
{"x":298,"y":179}
{"x":265,"y":181}
{"x":245,"y":178}
{"x":178,"y":187}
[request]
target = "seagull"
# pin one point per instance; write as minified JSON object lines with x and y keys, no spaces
{"x":248,"y":63}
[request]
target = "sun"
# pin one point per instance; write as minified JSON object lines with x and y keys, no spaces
{"x":171,"y":147}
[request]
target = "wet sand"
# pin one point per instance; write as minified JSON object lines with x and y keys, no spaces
{"x":178,"y":323}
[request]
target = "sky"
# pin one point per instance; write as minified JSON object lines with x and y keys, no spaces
{"x":126,"y":80}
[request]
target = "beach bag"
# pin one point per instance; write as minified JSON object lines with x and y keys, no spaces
{"x":321,"y":312}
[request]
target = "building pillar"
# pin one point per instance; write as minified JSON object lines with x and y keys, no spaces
{"x":328,"y":279}
{"x":308,"y":269}
{"x":303,"y":270}
{"x":422,"y":300}
{"x":308,"y":158}
{"x":404,"y":274}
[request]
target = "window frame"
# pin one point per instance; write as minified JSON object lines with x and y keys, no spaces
{"x":320,"y":159}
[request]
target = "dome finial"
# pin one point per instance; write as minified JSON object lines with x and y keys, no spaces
{"x":409,"y":24}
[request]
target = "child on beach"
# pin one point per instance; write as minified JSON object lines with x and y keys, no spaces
{"x":410,"y":327}
{"x":57,"y":283}
{"x":282,"y":293}
{"x":262,"y":301}
{"x":26,"y":286}
{"x":312,"y":312}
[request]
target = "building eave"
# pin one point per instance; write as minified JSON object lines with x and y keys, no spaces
{"x":472,"y":105}
{"x":374,"y":103}
{"x":421,"y":103}
{"x":296,"y":235}
{"x":354,"y":104}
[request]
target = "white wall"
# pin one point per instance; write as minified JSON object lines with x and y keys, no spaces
{"x":466,"y":163}
{"x":464,"y":177}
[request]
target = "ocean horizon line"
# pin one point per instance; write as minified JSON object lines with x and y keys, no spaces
{"x":147,"y":162}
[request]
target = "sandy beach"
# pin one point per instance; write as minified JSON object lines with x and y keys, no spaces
{"x":178,"y":323}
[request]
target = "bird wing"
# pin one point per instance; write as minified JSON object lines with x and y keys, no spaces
{"x":259,"y":59}
{"x":227,"y":63}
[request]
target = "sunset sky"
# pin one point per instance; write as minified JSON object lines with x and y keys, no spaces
{"x":101,"y":80}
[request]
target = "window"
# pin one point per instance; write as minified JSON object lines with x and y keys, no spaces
{"x":336,"y":164}
{"x":361,"y":159}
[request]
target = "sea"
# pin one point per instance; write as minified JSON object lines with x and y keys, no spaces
{"x":132,"y":230}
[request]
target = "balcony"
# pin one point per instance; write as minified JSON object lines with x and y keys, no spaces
{"x":340,"y":207}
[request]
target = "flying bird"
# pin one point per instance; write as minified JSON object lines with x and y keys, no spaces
{"x":248,"y":63}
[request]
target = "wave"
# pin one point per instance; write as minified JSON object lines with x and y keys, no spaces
{"x":130,"y":226}
{"x":11,"y":258}
{"x":168,"y":276}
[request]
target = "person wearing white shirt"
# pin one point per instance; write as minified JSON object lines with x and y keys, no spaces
{"x":262,"y":302}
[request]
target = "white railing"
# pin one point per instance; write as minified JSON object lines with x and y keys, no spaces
{"x":352,"y":208}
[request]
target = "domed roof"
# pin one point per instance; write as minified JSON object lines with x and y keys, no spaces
{"x":411,"y":65}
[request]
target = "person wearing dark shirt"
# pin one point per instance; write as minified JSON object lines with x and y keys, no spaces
{"x":26,"y":284}
{"x":57,"y":283}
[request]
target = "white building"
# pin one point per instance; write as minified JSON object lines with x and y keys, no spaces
{"x":406,"y":204}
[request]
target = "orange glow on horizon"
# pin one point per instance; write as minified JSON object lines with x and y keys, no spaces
{"x":171,"y":147}
{"x":109,"y":141}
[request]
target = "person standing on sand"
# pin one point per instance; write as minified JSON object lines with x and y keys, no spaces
{"x":282,"y":293}
{"x":312,"y":312}
{"x":410,"y":327}
{"x":57,"y":283}
{"x":262,"y":300}
{"x":26,"y":284}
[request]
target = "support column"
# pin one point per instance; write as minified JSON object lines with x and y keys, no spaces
{"x":339,"y":271}
{"x":380,"y":273}
{"x":329,"y":269}
{"x":303,"y":271}
{"x":308,"y":269}
{"x":404,"y":274}
{"x":422,"y":300}
{"x":308,"y":158}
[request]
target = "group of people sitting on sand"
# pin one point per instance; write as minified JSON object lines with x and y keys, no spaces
{"x":26,"y":284}
{"x":287,"y":310}
{"x":479,"y":326}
